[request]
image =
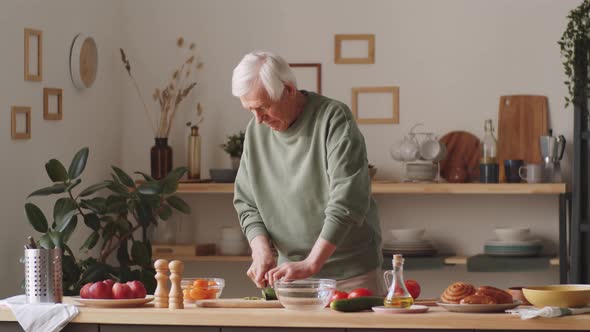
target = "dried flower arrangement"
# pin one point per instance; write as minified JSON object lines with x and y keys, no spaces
{"x":174,"y":92}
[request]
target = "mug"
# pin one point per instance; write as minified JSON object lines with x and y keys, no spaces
{"x":531,"y":173}
{"x":511,"y":168}
{"x":433,"y":150}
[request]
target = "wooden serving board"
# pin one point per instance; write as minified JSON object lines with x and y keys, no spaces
{"x":238,"y":303}
{"x":461,"y":145}
{"x":522,"y":119}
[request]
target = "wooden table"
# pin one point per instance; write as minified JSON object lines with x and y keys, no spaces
{"x":149,"y":319}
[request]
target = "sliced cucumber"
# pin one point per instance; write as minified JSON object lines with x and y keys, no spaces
{"x":269,"y":294}
{"x":357,"y":304}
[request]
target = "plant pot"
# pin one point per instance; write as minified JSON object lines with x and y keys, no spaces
{"x":235,"y":163}
{"x":161,"y":158}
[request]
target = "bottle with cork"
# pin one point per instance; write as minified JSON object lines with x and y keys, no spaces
{"x":397,"y":294}
{"x":488,"y":166}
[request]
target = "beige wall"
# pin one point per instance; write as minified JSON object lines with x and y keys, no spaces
{"x":90,"y":118}
{"x":452,"y":60}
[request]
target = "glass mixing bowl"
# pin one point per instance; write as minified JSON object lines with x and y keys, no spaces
{"x":305,"y":294}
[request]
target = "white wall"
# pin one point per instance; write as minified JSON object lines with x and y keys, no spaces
{"x":452,"y":59}
{"x":90,"y":117}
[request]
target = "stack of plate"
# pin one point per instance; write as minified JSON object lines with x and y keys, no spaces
{"x":513,"y":248}
{"x":409,"y":248}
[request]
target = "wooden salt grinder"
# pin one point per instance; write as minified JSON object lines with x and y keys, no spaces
{"x":161,"y":292}
{"x":176,"y":298}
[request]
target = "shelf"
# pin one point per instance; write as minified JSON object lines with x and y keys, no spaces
{"x":228,"y":259}
{"x":389,"y":187}
{"x":452,"y":260}
{"x":462,"y":260}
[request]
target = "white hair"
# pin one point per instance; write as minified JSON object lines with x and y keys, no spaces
{"x":267,"y":68}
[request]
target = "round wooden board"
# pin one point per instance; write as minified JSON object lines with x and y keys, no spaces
{"x":461,"y":144}
{"x":83,"y":61}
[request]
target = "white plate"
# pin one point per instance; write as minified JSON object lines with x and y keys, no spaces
{"x":112,"y":303}
{"x":528,"y":243}
{"x":414,"y":309}
{"x":471,"y":308}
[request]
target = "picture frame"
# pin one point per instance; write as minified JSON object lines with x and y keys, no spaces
{"x":339,"y":39}
{"x":318,"y":76}
{"x":30,"y":34}
{"x":393,"y":90}
{"x":14,"y":112}
{"x":47,"y":92}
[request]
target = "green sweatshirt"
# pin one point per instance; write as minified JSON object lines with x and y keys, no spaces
{"x":308,"y":181}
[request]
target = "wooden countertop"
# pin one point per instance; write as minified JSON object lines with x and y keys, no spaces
{"x":436,"y":318}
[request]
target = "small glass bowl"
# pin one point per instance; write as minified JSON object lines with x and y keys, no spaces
{"x":305,"y":294}
{"x":194,"y":289}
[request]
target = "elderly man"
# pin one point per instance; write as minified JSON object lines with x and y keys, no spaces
{"x":303,"y":183}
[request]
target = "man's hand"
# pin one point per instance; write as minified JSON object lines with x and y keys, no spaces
{"x":319,"y":254}
{"x":262,"y":260}
{"x":292,"y":271}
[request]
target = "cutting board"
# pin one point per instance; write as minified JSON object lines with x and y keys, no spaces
{"x":238,"y":303}
{"x":521,"y":120}
{"x":461,"y":145}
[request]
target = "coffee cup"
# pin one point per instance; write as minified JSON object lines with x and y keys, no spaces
{"x":433,"y":150}
{"x":511,"y":170}
{"x":531,"y":173}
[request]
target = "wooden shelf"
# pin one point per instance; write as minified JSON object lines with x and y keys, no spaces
{"x":453,"y":260}
{"x":384,"y":187}
{"x":389,"y":187}
{"x":229,"y":259}
{"x":456,"y":260}
{"x":462,"y":260}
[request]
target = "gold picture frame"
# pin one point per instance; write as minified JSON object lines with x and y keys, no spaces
{"x":369,"y":59}
{"x":15,"y":110}
{"x":29,"y":33}
{"x":52,"y":92}
{"x":318,"y":67}
{"x":394,"y":90}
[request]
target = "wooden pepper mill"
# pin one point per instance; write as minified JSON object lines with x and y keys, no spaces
{"x":161,"y":292}
{"x":176,"y":297}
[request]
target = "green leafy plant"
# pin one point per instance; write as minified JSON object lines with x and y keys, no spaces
{"x":235,"y":144}
{"x":575,"y":42}
{"x":118,"y":222}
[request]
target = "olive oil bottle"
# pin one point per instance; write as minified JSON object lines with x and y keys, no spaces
{"x":397,"y":294}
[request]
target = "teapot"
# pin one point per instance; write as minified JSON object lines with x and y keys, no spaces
{"x":406,"y":149}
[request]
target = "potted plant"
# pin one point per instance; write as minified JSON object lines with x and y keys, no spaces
{"x":118,"y":222}
{"x":575,"y":43}
{"x":234,"y":147}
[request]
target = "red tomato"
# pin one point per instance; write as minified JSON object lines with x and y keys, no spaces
{"x":413,"y":287}
{"x":360,"y":292}
{"x":338,"y":295}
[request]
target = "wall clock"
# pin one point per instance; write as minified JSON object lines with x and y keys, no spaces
{"x":83,"y":61}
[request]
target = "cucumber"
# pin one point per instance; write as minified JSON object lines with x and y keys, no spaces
{"x":357,"y":304}
{"x":269,"y":294}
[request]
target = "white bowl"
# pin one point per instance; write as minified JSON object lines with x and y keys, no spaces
{"x":512,"y":234}
{"x":408,"y":234}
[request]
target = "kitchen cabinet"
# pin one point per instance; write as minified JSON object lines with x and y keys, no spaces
{"x":271,"y":329}
{"x":15,"y":327}
{"x":156,"y":328}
